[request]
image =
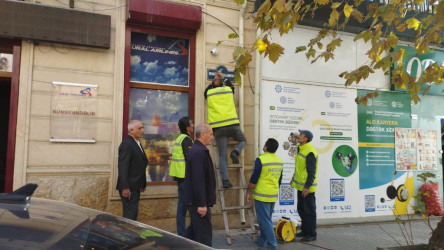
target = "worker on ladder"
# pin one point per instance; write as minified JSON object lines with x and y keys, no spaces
{"x":222,"y":117}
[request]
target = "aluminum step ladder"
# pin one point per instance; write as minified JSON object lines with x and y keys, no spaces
{"x":241,"y":207}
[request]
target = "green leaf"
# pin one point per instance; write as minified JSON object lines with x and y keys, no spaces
{"x":300,"y":49}
{"x":238,"y":51}
{"x":311,"y":53}
{"x":237,"y":77}
{"x":275,"y":51}
{"x":233,"y":35}
{"x":218,"y":43}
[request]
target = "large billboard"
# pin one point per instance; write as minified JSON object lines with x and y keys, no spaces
{"x":330,"y":114}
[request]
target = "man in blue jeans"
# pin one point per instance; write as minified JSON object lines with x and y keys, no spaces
{"x":264,"y":187}
{"x":177,"y":167}
{"x":222,"y":117}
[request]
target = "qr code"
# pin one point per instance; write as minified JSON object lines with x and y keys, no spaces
{"x":337,"y":188}
{"x":286,"y":193}
{"x":370,"y":203}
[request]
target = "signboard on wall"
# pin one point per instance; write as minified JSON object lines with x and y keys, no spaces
{"x":416,"y":64}
{"x":416,"y":149}
{"x":330,"y":114}
{"x":73,"y":112}
{"x":377,"y":122}
{"x":159,"y":59}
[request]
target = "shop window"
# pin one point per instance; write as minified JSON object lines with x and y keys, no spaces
{"x":160,"y":86}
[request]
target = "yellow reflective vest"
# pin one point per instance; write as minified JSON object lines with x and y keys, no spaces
{"x":221,"y":108}
{"x":267,"y":187}
{"x":300,"y":171}
{"x":177,"y":165}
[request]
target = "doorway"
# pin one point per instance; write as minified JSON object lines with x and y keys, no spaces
{"x":5,"y":99}
{"x":10,"y":50}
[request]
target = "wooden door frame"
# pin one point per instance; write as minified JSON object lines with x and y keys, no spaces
{"x":13,"y":110}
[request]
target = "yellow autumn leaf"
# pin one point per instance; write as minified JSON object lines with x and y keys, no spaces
{"x":334,"y":16}
{"x":348,"y":9}
{"x":321,"y":2}
{"x":402,"y":55}
{"x":335,"y":5}
{"x":413,"y":23}
{"x":260,"y":45}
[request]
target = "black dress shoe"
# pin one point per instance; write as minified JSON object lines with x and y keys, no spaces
{"x":300,"y":234}
{"x":234,"y":157}
{"x":308,"y":238}
{"x":227,"y":184}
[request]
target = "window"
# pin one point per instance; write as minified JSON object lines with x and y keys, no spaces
{"x":159,"y":90}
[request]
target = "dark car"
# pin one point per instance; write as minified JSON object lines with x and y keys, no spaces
{"x":33,"y":223}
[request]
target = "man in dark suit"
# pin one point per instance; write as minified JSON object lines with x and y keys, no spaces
{"x":200,"y":187}
{"x":132,"y":166}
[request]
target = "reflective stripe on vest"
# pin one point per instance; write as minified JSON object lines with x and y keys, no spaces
{"x":221,"y":108}
{"x":300,"y":172}
{"x":177,"y":165}
{"x":267,"y":187}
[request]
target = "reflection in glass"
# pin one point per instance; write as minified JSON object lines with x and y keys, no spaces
{"x":159,"y":111}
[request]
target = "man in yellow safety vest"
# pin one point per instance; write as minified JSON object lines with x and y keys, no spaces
{"x":222,"y":117}
{"x":264,"y":187}
{"x":305,"y":180}
{"x":177,"y":167}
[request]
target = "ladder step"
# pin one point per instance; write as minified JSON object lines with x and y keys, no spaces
{"x":236,"y":207}
{"x":233,"y":188}
{"x":232,"y":165}
{"x":240,"y":231}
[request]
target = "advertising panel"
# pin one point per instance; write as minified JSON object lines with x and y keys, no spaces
{"x":377,"y":176}
{"x":416,"y":149}
{"x":330,"y":114}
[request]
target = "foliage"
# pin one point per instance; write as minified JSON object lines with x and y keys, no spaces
{"x":283,"y":15}
{"x":405,"y":226}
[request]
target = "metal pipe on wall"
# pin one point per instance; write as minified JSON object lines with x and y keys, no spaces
{"x":241,"y":109}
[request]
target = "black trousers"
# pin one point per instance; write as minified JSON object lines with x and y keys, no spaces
{"x":200,"y":228}
{"x":307,"y":212}
{"x":131,"y":206}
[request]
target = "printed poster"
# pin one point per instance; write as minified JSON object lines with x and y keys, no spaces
{"x":73,"y":112}
{"x":159,"y":59}
{"x":377,"y":123}
{"x":330,"y":114}
{"x":416,"y":149}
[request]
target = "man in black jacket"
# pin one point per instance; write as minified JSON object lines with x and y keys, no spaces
{"x":200,"y":187}
{"x":132,"y":170}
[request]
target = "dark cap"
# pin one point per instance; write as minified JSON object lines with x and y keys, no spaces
{"x":306,"y":133}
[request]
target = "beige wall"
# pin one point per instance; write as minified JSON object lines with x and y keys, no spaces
{"x":83,"y":173}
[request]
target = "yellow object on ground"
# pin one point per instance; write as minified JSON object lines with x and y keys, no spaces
{"x":285,"y":230}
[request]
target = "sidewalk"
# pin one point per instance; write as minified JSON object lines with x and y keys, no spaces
{"x":344,"y":234}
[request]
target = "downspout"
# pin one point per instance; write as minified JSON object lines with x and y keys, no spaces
{"x":241,"y":110}
{"x":257,"y":92}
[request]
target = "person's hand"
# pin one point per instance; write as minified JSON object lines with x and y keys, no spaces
{"x":126,"y":193}
{"x":305,"y":192}
{"x":247,"y":197}
{"x":202,"y":211}
{"x":142,"y":190}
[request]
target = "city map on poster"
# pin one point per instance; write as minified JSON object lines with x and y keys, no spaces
{"x":415,"y":149}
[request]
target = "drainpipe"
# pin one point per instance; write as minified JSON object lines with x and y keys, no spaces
{"x":241,"y":110}
{"x":257,"y":92}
